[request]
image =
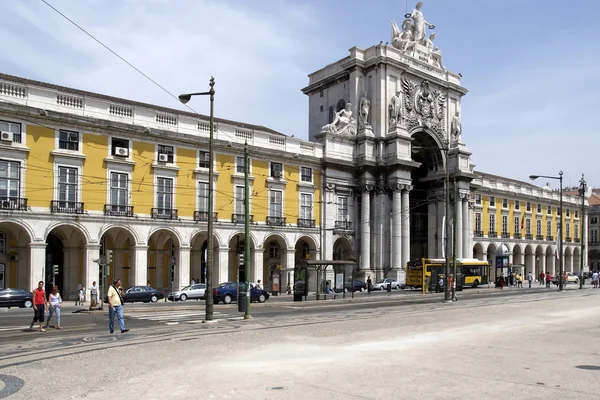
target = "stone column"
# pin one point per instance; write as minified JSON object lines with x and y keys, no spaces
{"x":397,"y":226}
{"x":365,"y":222}
{"x":182,"y":272}
{"x":467,"y":251}
{"x":140,"y":276}
{"x":37,"y":264}
{"x":91,"y":268}
{"x":258,"y":266}
{"x":432,"y":228}
{"x":405,"y":226}
{"x":459,"y":227}
{"x":221,"y":266}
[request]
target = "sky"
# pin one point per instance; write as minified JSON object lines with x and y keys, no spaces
{"x":531,"y":66}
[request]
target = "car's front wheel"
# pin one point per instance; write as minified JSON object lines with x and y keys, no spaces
{"x":262,"y":298}
{"x":154,"y":299}
{"x":27,"y":304}
{"x":183,"y":297}
{"x":227,"y":299}
{"x":362,"y":289}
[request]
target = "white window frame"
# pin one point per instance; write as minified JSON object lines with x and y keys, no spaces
{"x":539,"y":208}
{"x":549,"y":210}
{"x":340,"y":217}
{"x":517,"y":205}
{"x":239,"y":159}
{"x":538,"y":228}
{"x":200,"y":155}
{"x":528,"y":226}
{"x":20,"y":187}
{"x":156,"y":153}
{"x":21,"y":130}
{"x":199,"y":184}
{"x":492,"y":203}
{"x":238,"y":193}
{"x":56,"y":180}
{"x":303,"y":206}
{"x":504,"y":202}
{"x":77,"y":185}
{"x":505,"y":224}
{"x":478,"y":225}
{"x":271,"y":165}
{"x":173,"y":191}
{"x":273,"y":205}
{"x":79,"y":140}
{"x":478,"y":199}
{"x":548,"y":228}
{"x":568,"y":229}
{"x":528,"y":206}
{"x":129,"y":147}
{"x":576,"y":230}
{"x":492,"y":223}
{"x":517,"y":225}
{"x":128,"y":189}
{"x":302,"y":174}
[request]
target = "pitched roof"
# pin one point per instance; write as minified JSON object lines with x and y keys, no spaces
{"x":594,"y":199}
{"x":64,"y":89}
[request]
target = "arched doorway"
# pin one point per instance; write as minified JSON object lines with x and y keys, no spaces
{"x":424,"y":197}
{"x":541,"y":263}
{"x":478,"y":251}
{"x":15,"y":265}
{"x":237,"y":263}
{"x":530,"y":263}
{"x":65,"y":248}
{"x":577,"y":260}
{"x":120,"y":242}
{"x":275,"y":262}
{"x":550,"y":260}
{"x":491,"y":257}
{"x":342,"y":249}
{"x":568,"y":260}
{"x":518,"y":257}
{"x":164,"y":271}
{"x":199,"y":257}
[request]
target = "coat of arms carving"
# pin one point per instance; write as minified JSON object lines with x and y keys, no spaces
{"x":424,"y":107}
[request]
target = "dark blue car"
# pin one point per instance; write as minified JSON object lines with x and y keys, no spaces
{"x":227,"y":292}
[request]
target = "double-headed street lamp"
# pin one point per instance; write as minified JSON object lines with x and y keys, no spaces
{"x":184,"y":98}
{"x":582,"y":190}
{"x":560,"y":228}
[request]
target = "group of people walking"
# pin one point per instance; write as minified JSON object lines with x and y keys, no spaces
{"x":51,"y":304}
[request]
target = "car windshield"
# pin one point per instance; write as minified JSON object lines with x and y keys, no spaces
{"x":380,"y":281}
{"x":186,"y":288}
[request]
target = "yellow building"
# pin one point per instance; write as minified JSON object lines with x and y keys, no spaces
{"x":89,"y":178}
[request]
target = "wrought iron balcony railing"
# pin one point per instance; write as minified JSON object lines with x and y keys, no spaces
{"x":568,"y":239}
{"x":13,"y":203}
{"x":529,"y":236}
{"x":492,"y":234}
{"x":164,"y":213}
{"x":343,"y":225}
{"x":539,"y":237}
{"x":306,"y":223}
{"x":505,"y":235}
{"x":577,"y":240}
{"x":203,"y":216}
{"x":549,"y":237}
{"x":517,"y":236}
{"x":240,"y":218}
{"x":276,"y":221}
{"x":66,"y":207}
{"x":116,"y":210}
{"x":478,"y":233}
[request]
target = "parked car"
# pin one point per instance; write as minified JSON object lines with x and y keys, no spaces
{"x":573,"y":277}
{"x":194,"y":292}
{"x":357,"y":286}
{"x":15,"y":298}
{"x":382,"y":284}
{"x":228,"y":291}
{"x":145,"y":294}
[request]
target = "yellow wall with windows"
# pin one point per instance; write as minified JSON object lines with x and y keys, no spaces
{"x":260,"y":198}
{"x":224,"y":197}
{"x":186,"y":191}
{"x":142,"y":182}
{"x":39,"y":173}
{"x":93,"y":182}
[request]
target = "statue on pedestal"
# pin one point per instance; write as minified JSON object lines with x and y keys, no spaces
{"x":419,"y":23}
{"x":343,"y":122}
{"x":456,"y":127}
{"x":363,"y":116}
{"x":395,"y":110}
{"x":413,"y":32}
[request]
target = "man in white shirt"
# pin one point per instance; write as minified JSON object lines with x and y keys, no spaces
{"x":115,"y":307}
{"x":94,"y":295}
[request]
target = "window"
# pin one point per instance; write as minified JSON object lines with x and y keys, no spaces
{"x":593,"y":235}
{"x":505,"y":224}
{"x":549,"y":211}
{"x":203,"y":159}
{"x":121,"y":144}
{"x":568,"y":212}
{"x":164,"y":200}
{"x":492,"y":223}
{"x":568,"y":230}
{"x":67,"y":187}
{"x":167,"y":151}
{"x":492,"y":201}
{"x":538,"y":227}
{"x":15,"y":128}
{"x":528,"y":226}
{"x":273,"y":250}
{"x":330,"y":117}
{"x":528,"y":206}
{"x":239,"y":200}
{"x":478,"y":222}
{"x":517,"y":225}
{"x":203,"y":197}
{"x":321,"y":93}
{"x":321,"y":108}
{"x":593,"y":220}
{"x":10,"y":179}
{"x":276,"y":170}
{"x":239,"y":167}
{"x":343,"y":214}
{"x":478,"y":199}
{"x":539,"y":208}
{"x":504,"y":203}
{"x":68,"y":140}
{"x":306,"y":174}
{"x":517,"y":205}
{"x":275,"y":203}
{"x":576,"y":213}
{"x":2,"y":243}
{"x":559,"y":212}
{"x":576,"y":233}
{"x":306,"y":206}
{"x":548,"y":228}
{"x":119,"y":194}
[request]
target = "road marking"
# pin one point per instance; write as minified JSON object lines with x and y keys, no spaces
{"x":14,"y":328}
{"x":170,"y":318}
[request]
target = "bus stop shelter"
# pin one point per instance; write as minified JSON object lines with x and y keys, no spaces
{"x":344,"y":271}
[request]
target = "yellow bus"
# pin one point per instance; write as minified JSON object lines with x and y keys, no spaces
{"x":470,"y":273}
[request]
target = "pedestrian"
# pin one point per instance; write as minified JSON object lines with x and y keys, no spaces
{"x":289,"y":288}
{"x":595,"y":279}
{"x":40,"y":306}
{"x":79,"y":298}
{"x":548,"y":279}
{"x":565,"y":280}
{"x":54,"y":307}
{"x":94,"y":295}
{"x":369,"y":284}
{"x":193,"y":281}
{"x":148,"y":283}
{"x":259,"y":285}
{"x":542,"y":277}
{"x":501,"y":282}
{"x":115,"y":307}
{"x":529,"y":278}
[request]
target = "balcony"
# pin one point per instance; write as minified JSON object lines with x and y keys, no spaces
{"x":342,"y":227}
{"x":276,"y":221}
{"x":478,"y":234}
{"x":529,"y":236}
{"x":517,"y":236}
{"x":164,"y":213}
{"x":115,"y":210}
{"x":306,"y":223}
{"x":577,"y":240}
{"x":203,"y":216}
{"x":492,"y":234}
{"x":66,"y":207}
{"x":539,"y":237}
{"x":13,"y":203}
{"x":549,"y":237}
{"x":568,"y":239}
{"x":505,"y":235}
{"x":240,"y":218}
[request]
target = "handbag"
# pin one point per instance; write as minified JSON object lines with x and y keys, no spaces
{"x":118,"y":293}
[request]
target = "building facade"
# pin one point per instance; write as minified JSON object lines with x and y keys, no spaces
{"x":87,"y":175}
{"x":594,"y":230}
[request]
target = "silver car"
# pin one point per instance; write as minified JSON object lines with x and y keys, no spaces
{"x":196,"y":291}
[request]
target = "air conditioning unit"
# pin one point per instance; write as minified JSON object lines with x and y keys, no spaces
{"x":163,"y":157}
{"x":277,"y":174}
{"x":6,"y":136}
{"x":121,"y":151}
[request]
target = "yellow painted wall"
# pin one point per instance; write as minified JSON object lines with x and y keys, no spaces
{"x":39,"y":174}
{"x":93,"y":182}
{"x":317,"y":196}
{"x":260,"y":200}
{"x":224,"y":203}
{"x":511,"y":218}
{"x":142,"y":189}
{"x":485,"y":219}
{"x":186,"y":193}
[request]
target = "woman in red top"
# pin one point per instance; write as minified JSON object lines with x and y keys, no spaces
{"x":40,"y":306}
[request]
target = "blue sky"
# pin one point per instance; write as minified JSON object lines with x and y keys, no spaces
{"x":530,"y":65}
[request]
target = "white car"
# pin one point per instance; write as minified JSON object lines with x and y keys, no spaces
{"x":382,"y":284}
{"x":197,"y":291}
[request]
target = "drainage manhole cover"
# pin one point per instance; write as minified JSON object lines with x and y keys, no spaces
{"x":277,"y":388}
{"x":99,"y":339}
{"x":589,"y":367}
{"x":12,"y":385}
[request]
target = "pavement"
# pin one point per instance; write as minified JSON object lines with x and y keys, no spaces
{"x":518,"y":344}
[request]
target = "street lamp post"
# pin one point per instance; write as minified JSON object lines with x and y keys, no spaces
{"x":184,"y":98}
{"x":582,"y":190}
{"x":560,"y":230}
